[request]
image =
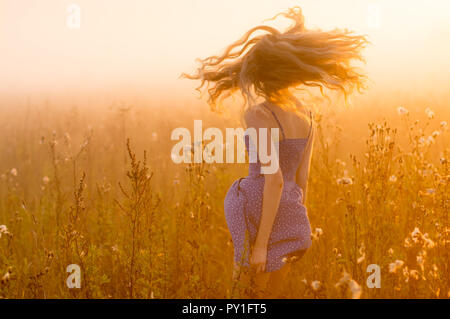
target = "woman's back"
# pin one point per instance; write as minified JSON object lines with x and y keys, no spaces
{"x":294,"y":125}
{"x":295,"y":133}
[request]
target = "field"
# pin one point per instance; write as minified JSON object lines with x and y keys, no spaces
{"x":74,"y":191}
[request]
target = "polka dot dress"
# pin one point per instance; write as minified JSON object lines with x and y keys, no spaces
{"x":291,"y":232}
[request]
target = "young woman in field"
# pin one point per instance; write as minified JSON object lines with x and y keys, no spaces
{"x":266,"y":213}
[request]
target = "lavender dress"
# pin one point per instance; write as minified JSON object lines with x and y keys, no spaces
{"x":291,"y":232}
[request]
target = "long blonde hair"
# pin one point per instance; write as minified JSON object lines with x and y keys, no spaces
{"x":274,"y":62}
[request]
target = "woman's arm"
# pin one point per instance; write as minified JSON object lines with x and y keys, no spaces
{"x":273,"y":187}
{"x":303,"y":169}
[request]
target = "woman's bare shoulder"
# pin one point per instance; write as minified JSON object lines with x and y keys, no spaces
{"x":256,"y":116}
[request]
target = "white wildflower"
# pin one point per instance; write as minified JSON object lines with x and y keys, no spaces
{"x":66,"y":138}
{"x":421,"y":258}
{"x":317,"y":233}
{"x":45,"y":180}
{"x":402,"y":111}
{"x":416,"y":234}
{"x":429,"y":113}
{"x":345,"y":181}
{"x":427,"y":242}
{"x":6,"y":277}
{"x":352,"y":285}
{"x":340,"y":162}
{"x":435,"y":134}
{"x":362,"y":249}
{"x":355,"y":289}
{"x":3,"y":230}
{"x":414,"y":274}
{"x":13,"y":172}
{"x":396,"y":265}
{"x":315,"y":285}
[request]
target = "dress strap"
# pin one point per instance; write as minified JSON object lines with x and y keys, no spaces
{"x":276,"y":118}
{"x":311,"y":125}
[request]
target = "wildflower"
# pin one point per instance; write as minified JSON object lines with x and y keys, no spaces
{"x":422,"y":141}
{"x":443,"y":124}
{"x":13,"y":172}
{"x":45,"y":180}
{"x":355,"y":289}
{"x":352,"y":285}
{"x":315,"y":285}
{"x":436,"y":134}
{"x":427,"y":242}
{"x":6,"y":277}
{"x":396,"y":265}
{"x":421,"y":259}
{"x":317,"y":233}
{"x":340,"y":162}
{"x":402,"y":111}
{"x":434,"y":271}
{"x":344,"y":279}
{"x":4,"y":230}
{"x":416,"y":234}
{"x":393,"y":178}
{"x":345,"y":181}
{"x":362,"y":252}
{"x":429,"y":113}
{"x":421,"y":239}
{"x":414,"y":274}
{"x":430,"y":140}
{"x":391,"y":251}
{"x":67,"y":138}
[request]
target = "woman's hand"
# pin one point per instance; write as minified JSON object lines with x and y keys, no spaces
{"x":259,"y":258}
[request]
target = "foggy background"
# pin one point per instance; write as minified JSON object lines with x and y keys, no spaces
{"x":139,"y":47}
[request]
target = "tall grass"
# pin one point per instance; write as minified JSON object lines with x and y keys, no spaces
{"x":98,"y":189}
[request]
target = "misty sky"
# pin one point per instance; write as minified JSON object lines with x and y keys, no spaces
{"x":146,"y":44}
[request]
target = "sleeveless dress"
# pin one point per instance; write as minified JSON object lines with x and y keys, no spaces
{"x":291,"y":231}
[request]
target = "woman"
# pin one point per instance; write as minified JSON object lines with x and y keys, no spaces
{"x":266,"y":213}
